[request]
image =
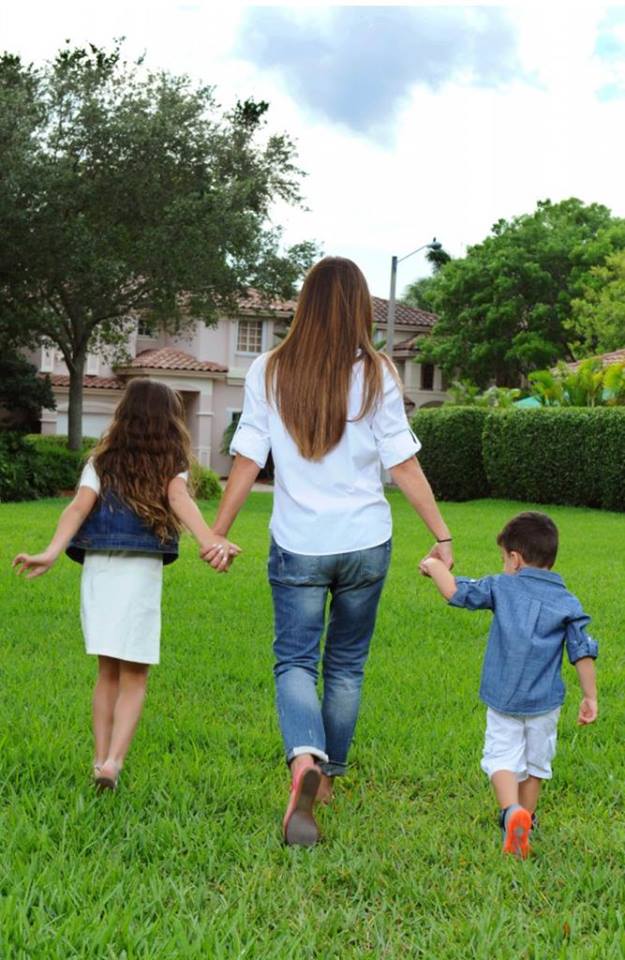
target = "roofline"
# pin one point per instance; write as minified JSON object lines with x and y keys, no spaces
{"x":190,"y":374}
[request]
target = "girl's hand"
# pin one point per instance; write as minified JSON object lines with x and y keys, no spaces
{"x":36,"y":563}
{"x":588,"y":711}
{"x":219,"y":553}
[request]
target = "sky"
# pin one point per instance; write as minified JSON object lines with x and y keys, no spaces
{"x":411,"y":122}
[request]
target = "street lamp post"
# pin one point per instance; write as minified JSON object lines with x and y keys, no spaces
{"x":390,"y":318}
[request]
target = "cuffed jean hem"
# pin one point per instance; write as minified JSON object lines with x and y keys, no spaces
{"x":313,"y":751}
{"x":333,"y":769}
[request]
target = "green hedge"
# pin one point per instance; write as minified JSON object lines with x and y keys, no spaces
{"x":36,"y":466}
{"x":574,"y":456}
{"x":451,"y":453}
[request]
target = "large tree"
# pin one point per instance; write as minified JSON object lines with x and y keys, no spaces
{"x":505,"y":308}
{"x":127,"y":192}
{"x":598,"y":315}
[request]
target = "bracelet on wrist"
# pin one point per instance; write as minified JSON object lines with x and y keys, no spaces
{"x":445,"y":540}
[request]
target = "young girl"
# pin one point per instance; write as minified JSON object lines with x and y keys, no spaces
{"x":123,"y":526}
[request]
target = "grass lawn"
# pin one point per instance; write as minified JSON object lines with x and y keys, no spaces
{"x":185,"y":860}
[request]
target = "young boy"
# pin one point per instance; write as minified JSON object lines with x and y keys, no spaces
{"x":534,"y":618}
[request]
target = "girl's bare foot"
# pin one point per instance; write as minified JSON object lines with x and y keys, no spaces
{"x":324,"y":791}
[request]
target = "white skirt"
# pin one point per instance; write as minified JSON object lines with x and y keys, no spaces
{"x":120,"y":605}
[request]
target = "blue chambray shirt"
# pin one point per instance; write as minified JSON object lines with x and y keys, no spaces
{"x":535,"y":617}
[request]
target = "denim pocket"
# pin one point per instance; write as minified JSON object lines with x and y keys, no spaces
{"x":375,"y":562}
{"x":294,"y":569}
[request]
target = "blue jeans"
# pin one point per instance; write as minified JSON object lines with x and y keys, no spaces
{"x":300,"y":586}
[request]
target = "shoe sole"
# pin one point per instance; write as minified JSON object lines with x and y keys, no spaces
{"x":105,"y":783}
{"x":518,"y":828}
{"x":301,"y":829}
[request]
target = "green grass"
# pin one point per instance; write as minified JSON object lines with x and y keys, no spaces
{"x":185,"y":860}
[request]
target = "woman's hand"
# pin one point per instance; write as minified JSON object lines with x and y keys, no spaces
{"x":219,"y":553}
{"x":35,"y":563}
{"x":440,"y":551}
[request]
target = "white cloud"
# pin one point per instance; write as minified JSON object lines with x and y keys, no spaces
{"x":462,"y":157}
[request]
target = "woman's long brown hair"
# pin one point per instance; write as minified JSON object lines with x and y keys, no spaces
{"x":309,"y":374}
{"x":146,"y":446}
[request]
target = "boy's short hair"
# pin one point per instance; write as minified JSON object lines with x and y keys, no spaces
{"x":534,"y":536}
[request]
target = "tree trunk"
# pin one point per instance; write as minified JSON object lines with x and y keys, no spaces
{"x":74,"y":414}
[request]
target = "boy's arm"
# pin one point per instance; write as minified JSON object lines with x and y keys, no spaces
{"x":216,"y":550}
{"x":588,"y":682}
{"x":70,"y":521}
{"x":442,"y":577}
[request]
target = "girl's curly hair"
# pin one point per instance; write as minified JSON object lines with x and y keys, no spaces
{"x":146,"y":446}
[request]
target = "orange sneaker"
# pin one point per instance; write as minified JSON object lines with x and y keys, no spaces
{"x":299,"y":825}
{"x":518,"y":824}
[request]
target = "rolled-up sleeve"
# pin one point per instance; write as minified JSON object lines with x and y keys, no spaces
{"x":578,"y":641}
{"x":251,"y":438}
{"x":473,"y":594}
{"x":394,"y":439}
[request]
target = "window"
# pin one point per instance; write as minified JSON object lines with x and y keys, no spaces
{"x":235,"y":416}
{"x":145,"y":328}
{"x":47,"y":360}
{"x":93,"y":365}
{"x":427,"y":376}
{"x":250,"y":336}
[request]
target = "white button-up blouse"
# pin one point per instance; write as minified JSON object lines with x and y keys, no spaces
{"x":337,"y":504}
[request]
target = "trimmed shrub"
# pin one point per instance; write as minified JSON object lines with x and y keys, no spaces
{"x":205,"y":483}
{"x":573,"y":455}
{"x":59,"y":467}
{"x":19,"y":474}
{"x":451,"y":453}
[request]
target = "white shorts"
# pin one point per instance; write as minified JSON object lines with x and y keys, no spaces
{"x":524,"y":745}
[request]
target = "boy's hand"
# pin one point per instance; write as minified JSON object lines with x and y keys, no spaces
{"x":36,"y":563}
{"x":588,"y":711}
{"x":219,"y":553}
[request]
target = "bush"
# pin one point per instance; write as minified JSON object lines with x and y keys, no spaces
{"x":205,"y":483}
{"x":59,"y":466}
{"x":19,"y":474}
{"x":451,"y":453}
{"x":569,"y":455}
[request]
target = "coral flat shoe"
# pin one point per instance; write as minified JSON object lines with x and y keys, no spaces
{"x":299,"y":826}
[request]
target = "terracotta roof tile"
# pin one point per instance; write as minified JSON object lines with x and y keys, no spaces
{"x":405,"y":316}
{"x":100,"y":383}
{"x":615,"y":356}
{"x":255,"y":300}
{"x":167,"y":358}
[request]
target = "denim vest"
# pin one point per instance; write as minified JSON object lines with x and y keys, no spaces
{"x":114,"y":526}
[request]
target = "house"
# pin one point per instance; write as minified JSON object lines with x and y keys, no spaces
{"x":208,"y":365}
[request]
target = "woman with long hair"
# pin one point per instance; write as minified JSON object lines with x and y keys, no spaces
{"x":329,"y":407}
{"x":122,"y":526}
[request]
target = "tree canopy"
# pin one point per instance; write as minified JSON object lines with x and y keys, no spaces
{"x":22,"y":392}
{"x":505,"y":308}
{"x":598,"y":315}
{"x":125,"y":192}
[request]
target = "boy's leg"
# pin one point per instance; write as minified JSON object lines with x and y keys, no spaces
{"x":506,"y":787}
{"x":133,"y":678}
{"x":504,"y":762}
{"x":529,"y":791}
{"x":104,"y":697}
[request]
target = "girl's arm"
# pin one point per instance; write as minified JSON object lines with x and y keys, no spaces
{"x":588,"y":682}
{"x":414,"y":485}
{"x":240,"y":482}
{"x":70,"y":521}
{"x":442,"y":577}
{"x":216,"y":550}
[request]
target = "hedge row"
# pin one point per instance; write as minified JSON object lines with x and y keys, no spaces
{"x":571,"y":456}
{"x":37,"y":466}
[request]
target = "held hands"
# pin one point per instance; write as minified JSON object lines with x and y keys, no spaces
{"x":36,"y":563}
{"x":219,"y":553}
{"x":440,"y":551}
{"x":588,"y":711}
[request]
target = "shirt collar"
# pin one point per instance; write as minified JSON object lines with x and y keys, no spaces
{"x":537,"y":573}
